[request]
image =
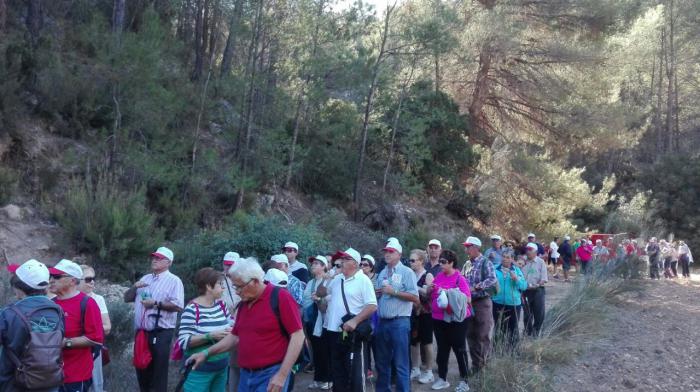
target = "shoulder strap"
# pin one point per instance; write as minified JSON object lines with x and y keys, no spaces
{"x":196,"y":313}
{"x":83,"y":308}
{"x":275,"y":304}
{"x":222,"y":305}
{"x":342,"y":291}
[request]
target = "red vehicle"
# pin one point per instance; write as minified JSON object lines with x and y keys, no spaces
{"x":609,"y":240}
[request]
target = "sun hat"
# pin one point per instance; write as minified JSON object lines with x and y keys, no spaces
{"x":33,"y":273}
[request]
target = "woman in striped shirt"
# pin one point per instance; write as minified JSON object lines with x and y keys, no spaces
{"x":204,"y":322}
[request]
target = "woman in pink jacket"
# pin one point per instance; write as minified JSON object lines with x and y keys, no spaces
{"x":450,"y":335}
{"x":584,"y":253}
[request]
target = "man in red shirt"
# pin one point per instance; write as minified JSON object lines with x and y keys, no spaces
{"x":83,"y":333}
{"x":268,"y":345}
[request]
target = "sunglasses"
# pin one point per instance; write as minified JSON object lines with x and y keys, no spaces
{"x":443,"y":261}
{"x":290,"y":250}
{"x":433,"y":247}
{"x":57,"y":277}
{"x":364,"y":264}
{"x":89,"y":279}
{"x":337,"y":265}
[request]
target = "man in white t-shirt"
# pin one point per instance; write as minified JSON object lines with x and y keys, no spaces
{"x":554,"y":255}
{"x":351,"y":300}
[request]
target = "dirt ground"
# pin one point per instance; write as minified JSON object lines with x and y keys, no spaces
{"x":652,"y":344}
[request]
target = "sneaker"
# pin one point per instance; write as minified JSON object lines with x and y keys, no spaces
{"x":462,"y":387}
{"x":324,"y":386}
{"x":415,"y":373}
{"x":440,"y":384}
{"x":426,"y":377}
{"x":314,"y":385}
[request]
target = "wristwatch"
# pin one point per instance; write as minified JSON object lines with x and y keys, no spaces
{"x":69,"y":343}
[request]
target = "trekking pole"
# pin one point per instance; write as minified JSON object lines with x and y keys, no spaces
{"x":183,"y":378}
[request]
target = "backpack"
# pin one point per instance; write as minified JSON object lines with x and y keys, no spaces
{"x":491,"y":291}
{"x":40,"y":365}
{"x":275,"y":304}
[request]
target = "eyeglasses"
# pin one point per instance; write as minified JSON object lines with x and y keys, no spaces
{"x":57,"y":277}
{"x":89,"y":279}
{"x":290,"y":250}
{"x":443,"y":261}
{"x":240,"y":288}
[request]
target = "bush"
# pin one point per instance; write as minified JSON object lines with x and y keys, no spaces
{"x":121,"y":336}
{"x":111,"y":225}
{"x":8,"y":184}
{"x":249,"y":235}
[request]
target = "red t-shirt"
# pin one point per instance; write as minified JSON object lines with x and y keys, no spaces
{"x":77,"y":362}
{"x":261,"y":343}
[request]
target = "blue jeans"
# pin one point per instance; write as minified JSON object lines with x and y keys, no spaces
{"x":256,"y":381}
{"x":392,"y":340}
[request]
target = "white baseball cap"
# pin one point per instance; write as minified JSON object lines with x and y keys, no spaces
{"x":67,"y":267}
{"x":393,"y":244}
{"x":567,"y":238}
{"x":276,"y":277}
{"x":495,"y":237}
{"x":472,"y":241}
{"x":320,"y":258}
{"x":531,"y":235}
{"x":33,"y":273}
{"x":231,"y":258}
{"x":164,"y":252}
{"x":435,"y":242}
{"x":350,"y":252}
{"x":369,"y":258}
{"x":532,"y":246}
{"x":292,"y":245}
{"x":280,"y":258}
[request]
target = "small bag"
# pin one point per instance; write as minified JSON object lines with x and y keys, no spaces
{"x":363,"y":329}
{"x":142,"y":353}
{"x":442,"y":301}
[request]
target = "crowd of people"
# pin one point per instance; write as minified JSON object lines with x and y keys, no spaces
{"x":344,"y":316}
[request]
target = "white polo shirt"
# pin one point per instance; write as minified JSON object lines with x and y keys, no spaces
{"x":359,"y":293}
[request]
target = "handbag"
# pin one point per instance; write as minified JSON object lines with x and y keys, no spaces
{"x":142,"y":353}
{"x":105,"y":356}
{"x":364,"y":328}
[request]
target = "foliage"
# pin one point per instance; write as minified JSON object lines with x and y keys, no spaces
{"x":121,"y":335}
{"x":8,"y":184}
{"x":108,"y":223}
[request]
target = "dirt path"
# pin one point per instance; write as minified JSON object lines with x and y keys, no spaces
{"x":652,"y":344}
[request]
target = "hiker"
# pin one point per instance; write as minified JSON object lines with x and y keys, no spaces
{"x":296,"y":268}
{"x":666,"y":257}
{"x":87,"y":286}
{"x":653,"y":252}
{"x":268,"y":332}
{"x":674,"y":259}
{"x":601,"y":254}
{"x":495,"y":252}
{"x":507,"y":302}
{"x":450,"y":334}
{"x":422,"y":322}
{"x":367,"y":264}
{"x":83,"y":323}
{"x":231,"y":299}
{"x":158,"y":297}
{"x":584,"y":253}
{"x":313,"y":317}
{"x":532,"y":239}
{"x":567,"y":253}
{"x":554,"y":256}
{"x":433,"y":265}
{"x":31,"y":333}
{"x":483,"y":285}
{"x":535,"y":273}
{"x":352,"y":302}
{"x":395,"y":305}
{"x":685,"y":258}
{"x":294,"y":285}
{"x":204,"y":322}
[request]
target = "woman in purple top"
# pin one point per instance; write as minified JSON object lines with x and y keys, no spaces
{"x":449,"y":335}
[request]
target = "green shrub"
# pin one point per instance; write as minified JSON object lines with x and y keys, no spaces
{"x":249,"y":235}
{"x":121,"y":336}
{"x":112,"y":226}
{"x":8,"y":184}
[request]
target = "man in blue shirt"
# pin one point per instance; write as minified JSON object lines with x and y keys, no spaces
{"x":495,"y":252}
{"x":399,"y":291}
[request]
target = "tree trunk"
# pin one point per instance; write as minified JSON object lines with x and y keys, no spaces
{"x":481,"y":92}
{"x":118,"y":14}
{"x":659,"y":145}
{"x":3,"y":15}
{"x":231,"y":39}
{"x":35,"y":20}
{"x":199,"y":39}
{"x":670,"y":70}
{"x":395,"y":124}
{"x":356,"y":201}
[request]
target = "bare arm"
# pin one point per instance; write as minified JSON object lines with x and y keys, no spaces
{"x":296,"y":342}
{"x":106,"y":323}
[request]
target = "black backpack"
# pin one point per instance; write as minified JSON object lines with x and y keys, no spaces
{"x":40,"y":365}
